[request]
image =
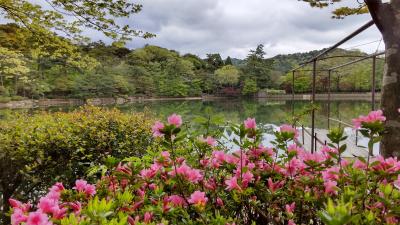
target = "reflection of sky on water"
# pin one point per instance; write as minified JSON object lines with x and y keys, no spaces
{"x":268,"y":136}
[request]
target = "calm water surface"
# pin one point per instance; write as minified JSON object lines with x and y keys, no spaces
{"x":233,"y":110}
{"x":269,"y":114}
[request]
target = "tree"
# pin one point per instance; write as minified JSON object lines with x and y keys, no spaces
{"x":214,"y":61}
{"x":258,"y":68}
{"x":249,"y":87}
{"x":228,"y":61}
{"x":387,"y":19}
{"x":227,"y":75}
{"x":70,"y":16}
{"x":12,"y":67}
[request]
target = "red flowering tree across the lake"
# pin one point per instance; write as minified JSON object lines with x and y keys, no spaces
{"x":193,"y":179}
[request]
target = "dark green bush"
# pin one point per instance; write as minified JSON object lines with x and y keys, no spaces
{"x":38,"y":150}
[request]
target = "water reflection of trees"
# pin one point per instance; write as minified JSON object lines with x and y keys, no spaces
{"x":275,"y":112}
{"x":234,"y":110}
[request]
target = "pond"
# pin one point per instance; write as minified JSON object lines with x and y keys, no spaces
{"x":265,"y":112}
{"x":237,"y":110}
{"x":269,"y":114}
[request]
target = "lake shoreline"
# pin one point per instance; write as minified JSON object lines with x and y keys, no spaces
{"x":44,"y":103}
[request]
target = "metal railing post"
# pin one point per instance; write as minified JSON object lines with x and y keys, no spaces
{"x":293,"y":85}
{"x":356,"y":137}
{"x":315,"y":141}
{"x":329,"y":98}
{"x":313,"y":102}
{"x":293,"y":93}
{"x":373,"y":83}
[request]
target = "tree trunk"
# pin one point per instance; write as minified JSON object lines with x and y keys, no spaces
{"x":387,"y":19}
{"x":4,"y":218}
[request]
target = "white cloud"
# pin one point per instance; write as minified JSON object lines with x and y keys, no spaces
{"x":233,"y":27}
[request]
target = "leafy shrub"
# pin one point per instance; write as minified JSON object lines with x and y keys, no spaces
{"x":17,"y":98}
{"x":4,"y":99}
{"x":197,"y":181}
{"x":38,"y":150}
{"x":274,"y":91}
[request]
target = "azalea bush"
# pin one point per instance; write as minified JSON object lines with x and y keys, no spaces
{"x":191,"y":179}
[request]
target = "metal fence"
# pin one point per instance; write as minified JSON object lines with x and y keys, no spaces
{"x":314,"y":61}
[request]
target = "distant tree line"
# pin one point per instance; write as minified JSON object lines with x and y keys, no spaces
{"x":354,"y":78}
{"x":33,"y":68}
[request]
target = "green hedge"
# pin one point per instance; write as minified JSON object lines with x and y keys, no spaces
{"x":38,"y":150}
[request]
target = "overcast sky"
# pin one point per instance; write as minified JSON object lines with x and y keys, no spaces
{"x":233,"y":27}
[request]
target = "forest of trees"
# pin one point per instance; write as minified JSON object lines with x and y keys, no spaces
{"x":31,"y":69}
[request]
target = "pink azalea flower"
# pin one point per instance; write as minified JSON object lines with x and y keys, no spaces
{"x":90,"y":190}
{"x":373,"y":116}
{"x":58,"y":187}
{"x":391,"y":220}
{"x":155,"y":167}
{"x":76,"y":207}
{"x":18,"y":217}
{"x":219,"y":155}
{"x":19,"y":205}
{"x":38,"y":218}
{"x":231,"y":159}
{"x":295,"y":148}
{"x":198,"y":198}
{"x":290,"y":207}
{"x":175,"y":120}
{"x":359,"y":165}
{"x":291,"y":222}
{"x":331,"y":174}
{"x":194,"y":175}
{"x":165,"y":154}
{"x":210,"y":184}
{"x":148,"y":216}
{"x":123,"y":169}
{"x":176,"y":200}
{"x":204,"y":162}
{"x":209,"y":140}
{"x":188,"y":173}
{"x":274,"y":186}
{"x":250,"y":123}
{"x":327,"y":151}
{"x":80,"y":185}
{"x":83,"y":186}
{"x":47,"y":205}
{"x":147,"y":173}
{"x":220,"y":202}
{"x":54,"y":195}
{"x":156,"y":128}
{"x":316,"y":157}
{"x":132,"y":221}
{"x":289,"y":129}
{"x":344,"y":163}
{"x":247,"y":177}
{"x":293,"y":166}
{"x":59,"y":213}
{"x":14,"y":203}
{"x":153,"y":186}
{"x":330,"y":187}
{"x":232,"y":184}
{"x":389,"y":165}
